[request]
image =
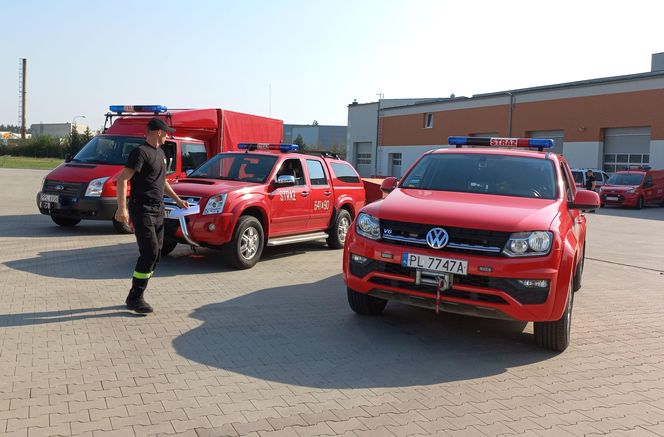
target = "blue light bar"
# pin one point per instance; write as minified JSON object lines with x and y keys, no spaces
{"x":138,"y":108}
{"x":269,"y":146}
{"x":501,"y":142}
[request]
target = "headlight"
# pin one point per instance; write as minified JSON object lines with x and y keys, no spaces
{"x":368,"y":226}
{"x":630,"y":191}
{"x":215,"y":204}
{"x":536,"y":243}
{"x":95,"y":186}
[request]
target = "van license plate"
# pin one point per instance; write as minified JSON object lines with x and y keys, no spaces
{"x":53,"y":198}
{"x":434,"y":263}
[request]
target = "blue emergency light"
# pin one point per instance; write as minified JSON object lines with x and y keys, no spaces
{"x":138,"y":108}
{"x":501,"y":142}
{"x":269,"y":146}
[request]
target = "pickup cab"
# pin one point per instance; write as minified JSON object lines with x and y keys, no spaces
{"x":267,"y":195}
{"x":490,"y":232}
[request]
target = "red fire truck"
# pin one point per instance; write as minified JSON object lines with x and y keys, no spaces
{"x":84,"y":187}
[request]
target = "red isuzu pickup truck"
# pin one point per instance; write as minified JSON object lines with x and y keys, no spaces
{"x":267,"y":195}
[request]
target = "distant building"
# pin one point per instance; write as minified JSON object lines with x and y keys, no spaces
{"x":608,"y":123}
{"x":321,"y":138}
{"x":57,"y":130}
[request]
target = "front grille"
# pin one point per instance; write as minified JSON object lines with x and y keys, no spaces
{"x":460,"y":294}
{"x":67,"y":188}
{"x":523,"y":295}
{"x":461,"y":240}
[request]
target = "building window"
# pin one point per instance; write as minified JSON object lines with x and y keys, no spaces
{"x":428,"y":120}
{"x":396,"y":158}
{"x":364,"y":158}
{"x":623,"y":161}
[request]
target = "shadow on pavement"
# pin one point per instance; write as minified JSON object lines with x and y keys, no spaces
{"x":38,"y":225}
{"x":118,"y":261}
{"x":40,"y":318}
{"x":307,"y":335}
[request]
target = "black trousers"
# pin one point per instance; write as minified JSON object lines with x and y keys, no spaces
{"x":148,"y":221}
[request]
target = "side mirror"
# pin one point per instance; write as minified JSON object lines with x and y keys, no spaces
{"x":388,"y":185}
{"x":286,"y":181}
{"x":647,"y":184}
{"x":585,"y":199}
{"x":67,"y":157}
{"x":188,"y":172}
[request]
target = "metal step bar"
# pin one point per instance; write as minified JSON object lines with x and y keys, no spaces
{"x":301,"y":238}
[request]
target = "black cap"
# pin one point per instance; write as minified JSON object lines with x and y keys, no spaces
{"x":157,"y":123}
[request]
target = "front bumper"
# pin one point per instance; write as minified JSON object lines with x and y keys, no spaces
{"x":201,"y":230}
{"x":619,"y":199}
{"x":80,"y":207}
{"x":494,"y":294}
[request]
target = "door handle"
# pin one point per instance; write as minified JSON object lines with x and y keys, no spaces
{"x":327,"y":193}
{"x":305,"y":193}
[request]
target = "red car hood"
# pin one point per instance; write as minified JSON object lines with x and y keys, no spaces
{"x":618,"y":188}
{"x":78,"y":172}
{"x":466,"y":210}
{"x":207,"y":187}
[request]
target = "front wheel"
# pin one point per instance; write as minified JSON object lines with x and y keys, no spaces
{"x":339,"y":229}
{"x":245,"y":249}
{"x":365,"y":304}
{"x":65,"y":222}
{"x":639,"y":203}
{"x":555,"y":335}
{"x":168,"y":246}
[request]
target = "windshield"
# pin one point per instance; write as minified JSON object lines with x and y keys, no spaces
{"x":489,"y":174}
{"x":237,"y":167}
{"x":578,"y":176}
{"x":625,"y":179}
{"x":104,"y":149}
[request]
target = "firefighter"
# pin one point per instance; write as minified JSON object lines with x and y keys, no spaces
{"x":146,"y":170}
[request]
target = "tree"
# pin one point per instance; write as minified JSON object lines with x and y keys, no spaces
{"x":315,"y":123}
{"x":87,"y":136}
{"x":75,"y":141}
{"x":300,"y":142}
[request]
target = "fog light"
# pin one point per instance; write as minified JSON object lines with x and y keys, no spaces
{"x":211,"y":227}
{"x":359,"y":259}
{"x":534,"y":283}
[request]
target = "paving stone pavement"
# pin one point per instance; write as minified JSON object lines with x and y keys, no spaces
{"x":275,"y":350}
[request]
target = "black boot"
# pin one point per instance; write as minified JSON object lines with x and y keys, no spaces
{"x":135,"y":302}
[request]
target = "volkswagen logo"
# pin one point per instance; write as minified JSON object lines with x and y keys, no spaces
{"x":59,"y":187}
{"x":437,"y":238}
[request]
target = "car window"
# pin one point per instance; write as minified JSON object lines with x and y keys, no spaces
{"x":578,"y":176}
{"x":344,"y":172}
{"x":193,"y":155}
{"x":316,"y":172}
{"x":488,"y":174}
{"x":292,"y":167}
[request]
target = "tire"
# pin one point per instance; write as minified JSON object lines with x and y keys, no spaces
{"x":578,"y":273}
{"x":555,"y":335}
{"x":339,"y":229}
{"x":168,"y":247}
{"x":121,"y":227}
{"x":246,"y":246}
{"x":639,"y":203}
{"x":365,"y":304}
{"x":65,"y":222}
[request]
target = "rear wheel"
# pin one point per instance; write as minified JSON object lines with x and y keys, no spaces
{"x":65,"y":222}
{"x":555,"y":335}
{"x":339,"y":229}
{"x":365,"y":304}
{"x":639,"y":203}
{"x":245,"y":249}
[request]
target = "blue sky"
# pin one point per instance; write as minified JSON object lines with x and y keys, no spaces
{"x":315,"y":56}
